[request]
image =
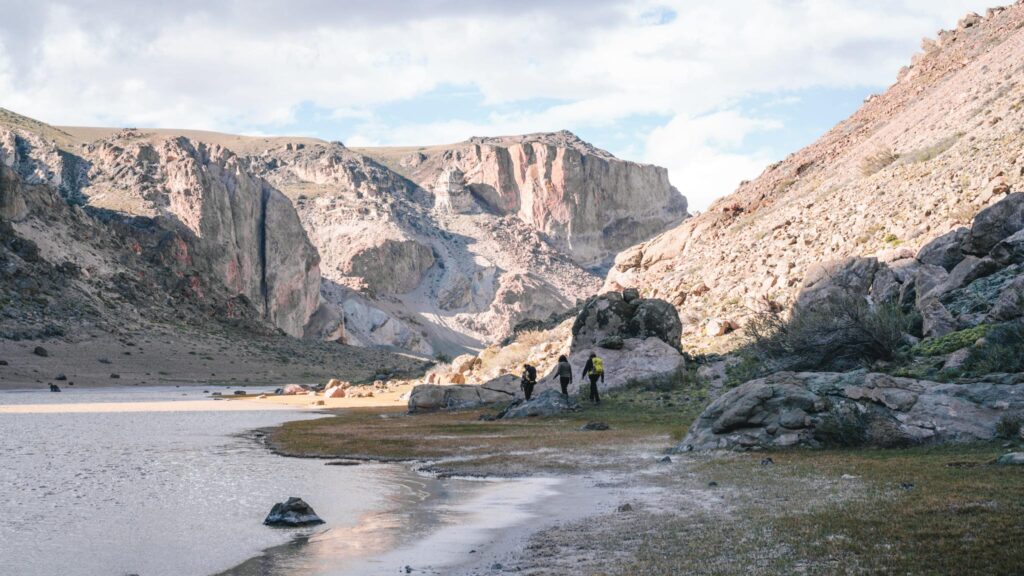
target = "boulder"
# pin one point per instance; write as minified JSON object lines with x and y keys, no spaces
{"x":994,"y":224}
{"x":54,"y":388}
{"x":630,"y":295}
{"x":946,"y":251}
{"x":850,"y":409}
{"x":292,"y":512}
{"x":335,"y":392}
{"x":431,"y":397}
{"x":717,"y":327}
{"x":968,"y":270}
{"x":548,"y":403}
{"x":1010,"y":250}
{"x":293,"y":390}
{"x":936,"y":319}
{"x":465,"y":363}
{"x":610,"y":315}
{"x":1011,"y":459}
{"x":1010,"y":303}
{"x":831,"y":280}
{"x":452,"y":378}
{"x":40,"y":351}
{"x":637,"y":361}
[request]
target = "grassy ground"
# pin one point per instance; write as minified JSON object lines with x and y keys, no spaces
{"x":912,"y":511}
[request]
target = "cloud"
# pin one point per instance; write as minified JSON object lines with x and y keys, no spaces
{"x":701,"y":153}
{"x":256,"y":66}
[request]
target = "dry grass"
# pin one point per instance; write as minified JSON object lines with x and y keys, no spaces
{"x":915,"y":511}
{"x":877,"y":160}
{"x":462,"y":443}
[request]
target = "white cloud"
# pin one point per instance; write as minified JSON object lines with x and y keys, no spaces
{"x":698,"y":152}
{"x":249,"y":66}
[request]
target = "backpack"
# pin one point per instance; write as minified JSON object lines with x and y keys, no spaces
{"x":598,"y":365}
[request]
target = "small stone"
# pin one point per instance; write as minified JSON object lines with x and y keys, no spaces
{"x":595,"y":426}
{"x":666,"y":460}
{"x":60,"y":377}
{"x":115,"y":376}
{"x":907,"y":485}
{"x":848,"y":477}
{"x":3,"y":362}
{"x":767,"y":462}
{"x":627,"y":507}
{"x":40,"y":351}
{"x":103,"y":360}
{"x":54,"y":388}
{"x":712,"y":484}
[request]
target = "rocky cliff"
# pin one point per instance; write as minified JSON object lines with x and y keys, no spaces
{"x":450,"y":247}
{"x":189,"y":212}
{"x":585,"y":201}
{"x":435,"y":250}
{"x":911,"y":165}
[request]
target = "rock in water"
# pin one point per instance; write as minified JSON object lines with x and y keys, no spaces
{"x":292,"y":512}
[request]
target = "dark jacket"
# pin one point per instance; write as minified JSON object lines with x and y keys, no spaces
{"x":590,"y":368}
{"x":529,"y":375}
{"x":564,"y":371}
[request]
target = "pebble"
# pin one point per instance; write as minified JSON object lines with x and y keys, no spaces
{"x":40,"y":351}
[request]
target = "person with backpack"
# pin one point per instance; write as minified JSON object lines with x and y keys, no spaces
{"x":528,"y":381}
{"x":594,"y":369}
{"x":564,"y":376}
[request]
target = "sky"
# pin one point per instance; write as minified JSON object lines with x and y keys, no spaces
{"x":714,"y":90}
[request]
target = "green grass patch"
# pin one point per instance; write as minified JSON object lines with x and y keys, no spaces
{"x":950,"y":342}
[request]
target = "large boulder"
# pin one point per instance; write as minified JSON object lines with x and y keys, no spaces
{"x":831,"y":280}
{"x":1010,"y":250}
{"x":432,"y":397}
{"x":851,"y":409}
{"x":547,"y":403}
{"x":637,"y":361}
{"x":945,"y":251}
{"x":995,"y":223}
{"x":610,"y":315}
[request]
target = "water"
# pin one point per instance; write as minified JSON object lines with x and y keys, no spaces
{"x":163,"y":481}
{"x":158,"y":493}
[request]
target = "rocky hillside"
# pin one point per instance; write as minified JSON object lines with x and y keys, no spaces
{"x":450,"y":251}
{"x":911,"y":165}
{"x":458,"y":244}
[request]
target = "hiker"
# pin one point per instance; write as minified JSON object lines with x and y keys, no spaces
{"x":594,"y":369}
{"x":529,"y":380}
{"x":564,"y":376}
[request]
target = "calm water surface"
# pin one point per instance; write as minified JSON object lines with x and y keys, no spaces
{"x":165,"y":493}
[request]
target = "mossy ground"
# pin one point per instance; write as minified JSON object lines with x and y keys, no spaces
{"x":908,"y":511}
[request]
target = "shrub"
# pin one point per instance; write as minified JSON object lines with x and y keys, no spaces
{"x":1009,"y":426}
{"x":1002,"y":351}
{"x":838,"y":333}
{"x":950,"y":342}
{"x":877,"y":160}
{"x":843,"y":426}
{"x":443,"y":358}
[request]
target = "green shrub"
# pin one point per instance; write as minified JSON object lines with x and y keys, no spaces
{"x":950,"y":342}
{"x":839,"y":333}
{"x":1003,"y":351}
{"x":1009,"y":426}
{"x":877,"y":160}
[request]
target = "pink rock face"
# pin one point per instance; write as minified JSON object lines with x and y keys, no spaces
{"x":590,"y":203}
{"x":245,"y":233}
{"x":294,"y":390}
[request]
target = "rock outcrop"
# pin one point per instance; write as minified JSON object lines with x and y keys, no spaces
{"x":209,"y":221}
{"x":432,"y":397}
{"x":547,"y":403}
{"x":911,"y":165}
{"x":852,"y":409}
{"x":589,"y":203}
{"x":949,"y":283}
